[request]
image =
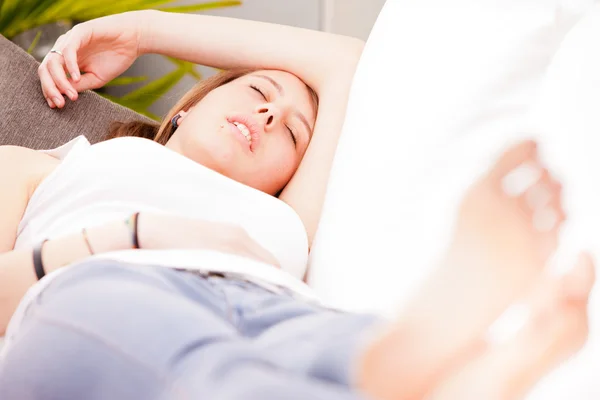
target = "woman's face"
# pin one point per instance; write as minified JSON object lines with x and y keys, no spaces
{"x":254,"y":130}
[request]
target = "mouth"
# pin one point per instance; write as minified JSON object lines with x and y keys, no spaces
{"x":247,"y":130}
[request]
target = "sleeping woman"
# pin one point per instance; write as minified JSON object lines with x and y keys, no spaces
{"x":167,"y":262}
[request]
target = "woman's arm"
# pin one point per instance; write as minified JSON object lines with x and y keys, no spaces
{"x":325,"y":62}
{"x":21,"y":170}
{"x":17,"y":273}
{"x":317,"y":58}
{"x":156,"y":231}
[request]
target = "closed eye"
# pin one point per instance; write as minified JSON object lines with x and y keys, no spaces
{"x":259,"y":91}
{"x":288,"y":128}
{"x":292,"y":135}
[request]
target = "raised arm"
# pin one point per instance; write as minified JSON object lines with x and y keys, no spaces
{"x":318,"y":58}
{"x":325,"y":62}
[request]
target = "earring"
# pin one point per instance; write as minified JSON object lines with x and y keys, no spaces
{"x":174,"y":121}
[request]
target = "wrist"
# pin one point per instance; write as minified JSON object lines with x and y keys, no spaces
{"x":144,"y":20}
{"x":149,"y":228}
{"x":113,"y":236}
{"x":63,"y":251}
{"x":57,"y":253}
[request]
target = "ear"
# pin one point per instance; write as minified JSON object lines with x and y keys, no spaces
{"x":182,"y":114}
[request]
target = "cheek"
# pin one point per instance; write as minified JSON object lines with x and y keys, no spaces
{"x":276,"y":164}
{"x":284,"y":164}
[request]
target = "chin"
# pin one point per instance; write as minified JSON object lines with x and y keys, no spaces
{"x":214,"y":155}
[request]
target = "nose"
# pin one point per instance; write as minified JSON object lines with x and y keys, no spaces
{"x":268,"y":115}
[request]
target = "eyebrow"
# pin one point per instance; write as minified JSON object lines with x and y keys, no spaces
{"x":281,"y":91}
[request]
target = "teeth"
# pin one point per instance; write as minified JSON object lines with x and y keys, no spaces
{"x":244,"y":129}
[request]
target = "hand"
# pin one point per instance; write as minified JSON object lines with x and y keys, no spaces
{"x":163,"y":231}
{"x":101,"y":49}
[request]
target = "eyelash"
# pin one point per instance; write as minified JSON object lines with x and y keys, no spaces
{"x":288,"y":128}
{"x":259,"y":91}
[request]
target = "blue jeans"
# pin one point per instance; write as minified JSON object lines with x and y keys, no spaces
{"x":107,"y":330}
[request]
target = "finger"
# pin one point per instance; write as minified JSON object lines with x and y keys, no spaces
{"x":41,"y":68}
{"x":580,"y":281}
{"x":56,"y":67}
{"x":540,"y":193}
{"x":88,"y":81}
{"x":557,"y":201}
{"x":513,"y":157}
{"x":70,"y":58}
{"x":51,"y":92}
{"x":546,"y":220}
{"x":520,"y":179}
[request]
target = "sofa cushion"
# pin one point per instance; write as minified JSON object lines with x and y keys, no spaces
{"x":27,"y":120}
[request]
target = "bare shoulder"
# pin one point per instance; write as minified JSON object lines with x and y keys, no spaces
{"x":21,"y":172}
{"x":27,"y":166}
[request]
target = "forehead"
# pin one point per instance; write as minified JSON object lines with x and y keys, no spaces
{"x":295,"y":90}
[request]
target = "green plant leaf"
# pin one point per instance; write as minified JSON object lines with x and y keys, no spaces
{"x":72,"y":9}
{"x":2,"y":6}
{"x":145,"y":96}
{"x":9,"y":16}
{"x":202,"y":7}
{"x":188,"y":66}
{"x":131,"y":105}
{"x":34,"y":42}
{"x":115,"y":7}
{"x":20,"y":16}
{"x":24,"y":18}
{"x":126,"y":80}
{"x":28,"y":7}
{"x":42,"y":7}
{"x":62,"y":9}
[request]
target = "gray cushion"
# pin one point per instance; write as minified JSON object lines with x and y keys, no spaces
{"x":27,"y":120}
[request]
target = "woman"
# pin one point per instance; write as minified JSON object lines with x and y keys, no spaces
{"x":174,"y":265}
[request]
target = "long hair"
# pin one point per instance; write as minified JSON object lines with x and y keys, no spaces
{"x":162,"y":132}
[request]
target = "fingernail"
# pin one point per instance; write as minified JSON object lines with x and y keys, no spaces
{"x":76,"y":76}
{"x":57,"y":101}
{"x":50,"y":103}
{"x":72,"y":94}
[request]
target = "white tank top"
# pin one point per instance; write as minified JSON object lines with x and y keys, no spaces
{"x":108,"y":181}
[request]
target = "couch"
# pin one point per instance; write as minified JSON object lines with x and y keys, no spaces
{"x":25,"y":118}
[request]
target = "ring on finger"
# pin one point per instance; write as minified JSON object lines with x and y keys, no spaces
{"x":57,"y":52}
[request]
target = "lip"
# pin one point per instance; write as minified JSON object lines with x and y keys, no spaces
{"x":252,"y":126}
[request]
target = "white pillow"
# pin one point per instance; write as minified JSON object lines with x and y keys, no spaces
{"x":442,"y":88}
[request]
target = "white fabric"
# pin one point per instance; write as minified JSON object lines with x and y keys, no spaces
{"x":442,"y":88}
{"x":566,"y":118}
{"x":111,"y":180}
